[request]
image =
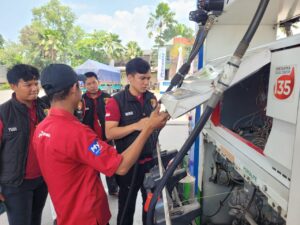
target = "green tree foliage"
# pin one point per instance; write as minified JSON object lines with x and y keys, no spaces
{"x":100,"y":46}
{"x":163,"y":27}
{"x":178,"y":30}
{"x":112,"y":47}
{"x":90,"y":47}
{"x":51,"y":35}
{"x":132,"y":50}
{"x":159,"y":22}
{"x":10,"y":54}
{"x":1,"y":41}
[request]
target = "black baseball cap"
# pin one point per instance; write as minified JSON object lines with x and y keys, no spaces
{"x":57,"y":77}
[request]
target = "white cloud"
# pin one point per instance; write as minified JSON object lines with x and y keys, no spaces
{"x":182,"y":9}
{"x":131,"y":25}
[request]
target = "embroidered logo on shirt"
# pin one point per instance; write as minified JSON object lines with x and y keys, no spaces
{"x":129,"y":113}
{"x":12,"y":129}
{"x":107,"y":114}
{"x":153,"y":102}
{"x":105,"y":100}
{"x":44,"y":134}
{"x":95,"y":148}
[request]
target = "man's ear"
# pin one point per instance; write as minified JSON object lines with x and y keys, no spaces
{"x":74,"y":88}
{"x":130,"y":77}
{"x":13,"y":86}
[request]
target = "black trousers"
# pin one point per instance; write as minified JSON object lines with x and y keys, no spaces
{"x":112,"y":184}
{"x":124,"y":183}
{"x":24,"y":204}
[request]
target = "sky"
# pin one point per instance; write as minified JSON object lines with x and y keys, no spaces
{"x":127,"y":18}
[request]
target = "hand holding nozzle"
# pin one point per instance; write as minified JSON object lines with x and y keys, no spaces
{"x":158,"y":119}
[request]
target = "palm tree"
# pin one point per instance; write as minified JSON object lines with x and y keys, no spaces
{"x":178,"y":30}
{"x":133,"y":50}
{"x":51,"y":45}
{"x":112,"y":47}
{"x":159,"y":22}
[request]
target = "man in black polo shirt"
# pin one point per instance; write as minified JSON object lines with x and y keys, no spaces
{"x":126,"y":114}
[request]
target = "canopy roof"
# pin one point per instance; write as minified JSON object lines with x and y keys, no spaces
{"x":104,"y":72}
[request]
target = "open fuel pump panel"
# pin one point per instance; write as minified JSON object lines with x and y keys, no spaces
{"x":249,"y":129}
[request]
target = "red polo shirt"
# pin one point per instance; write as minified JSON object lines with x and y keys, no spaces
{"x":112,"y":109}
{"x":97,"y":125}
{"x":70,"y":156}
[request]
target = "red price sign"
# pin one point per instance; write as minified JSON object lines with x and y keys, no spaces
{"x":284,"y":85}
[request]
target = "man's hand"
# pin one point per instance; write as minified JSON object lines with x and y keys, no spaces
{"x":141,"y":124}
{"x":2,"y":197}
{"x":158,"y":119}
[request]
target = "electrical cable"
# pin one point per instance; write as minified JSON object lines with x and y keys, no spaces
{"x":221,"y":204}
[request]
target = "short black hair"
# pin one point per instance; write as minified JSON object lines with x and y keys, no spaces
{"x":22,"y":71}
{"x":137,"y":65}
{"x":90,"y":74}
{"x":61,"y":95}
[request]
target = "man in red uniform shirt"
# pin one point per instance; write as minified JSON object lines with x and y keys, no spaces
{"x":94,"y":116}
{"x":71,"y":155}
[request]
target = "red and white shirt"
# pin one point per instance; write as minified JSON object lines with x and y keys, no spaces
{"x":71,"y":156}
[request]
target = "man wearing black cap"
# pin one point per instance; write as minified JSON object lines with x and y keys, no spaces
{"x":24,"y":191}
{"x":71,"y":155}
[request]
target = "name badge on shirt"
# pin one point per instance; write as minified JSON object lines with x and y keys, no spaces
{"x":12,"y":129}
{"x":129,"y":113}
{"x":95,"y":148}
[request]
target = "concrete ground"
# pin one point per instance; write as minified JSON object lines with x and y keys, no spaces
{"x":113,"y":205}
{"x":171,"y":137}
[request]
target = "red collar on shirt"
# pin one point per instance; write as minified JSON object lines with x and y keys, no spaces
{"x":62,"y":112}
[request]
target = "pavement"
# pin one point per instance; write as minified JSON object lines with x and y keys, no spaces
{"x":171,"y":137}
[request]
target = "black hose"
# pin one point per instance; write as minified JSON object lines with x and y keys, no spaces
{"x":200,"y":37}
{"x":134,"y":176}
{"x":177,"y":160}
{"x":243,"y":45}
{"x":205,"y":116}
{"x":184,"y":69}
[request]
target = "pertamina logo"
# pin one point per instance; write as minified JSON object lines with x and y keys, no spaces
{"x":284,"y":85}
